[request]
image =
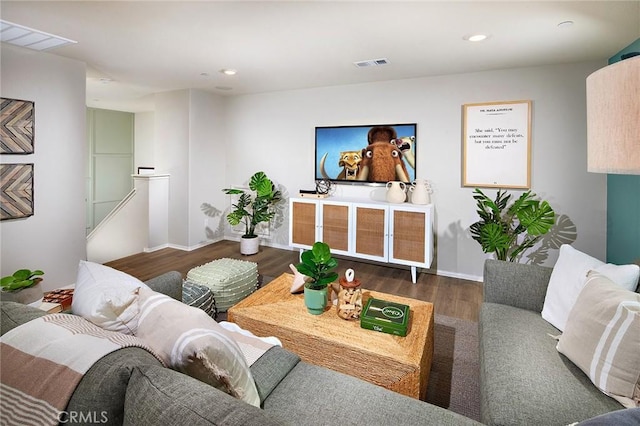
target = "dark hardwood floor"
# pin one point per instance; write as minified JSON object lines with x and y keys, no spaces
{"x":451,"y":296}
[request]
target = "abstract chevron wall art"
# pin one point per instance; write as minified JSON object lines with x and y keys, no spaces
{"x":16,"y":126}
{"x":16,"y":193}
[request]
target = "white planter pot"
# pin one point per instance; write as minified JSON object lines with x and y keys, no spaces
{"x":249,"y":246}
{"x":28,"y":296}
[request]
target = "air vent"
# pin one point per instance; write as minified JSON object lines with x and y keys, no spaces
{"x":28,"y":37}
{"x":371,"y":63}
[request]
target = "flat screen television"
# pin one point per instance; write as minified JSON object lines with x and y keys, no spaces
{"x":366,"y":154}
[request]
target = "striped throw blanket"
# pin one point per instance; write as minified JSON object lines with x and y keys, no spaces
{"x":43,"y":361}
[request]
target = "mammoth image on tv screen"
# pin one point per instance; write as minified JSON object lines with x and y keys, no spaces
{"x":366,"y":154}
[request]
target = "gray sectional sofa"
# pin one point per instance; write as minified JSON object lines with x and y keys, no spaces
{"x":130,"y":387}
{"x":524,"y":380}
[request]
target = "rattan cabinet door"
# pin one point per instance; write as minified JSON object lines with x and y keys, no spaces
{"x":410,"y":235}
{"x":303,"y":228}
{"x":370,"y":231}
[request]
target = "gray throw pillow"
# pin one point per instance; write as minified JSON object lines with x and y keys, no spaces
{"x":100,"y":394}
{"x":160,"y":396}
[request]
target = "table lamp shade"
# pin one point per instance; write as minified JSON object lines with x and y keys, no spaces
{"x":613,"y":118}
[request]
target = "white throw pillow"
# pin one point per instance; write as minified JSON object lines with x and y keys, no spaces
{"x":105,"y":296}
{"x":190,"y":341}
{"x":602,"y":337}
{"x":569,"y":276}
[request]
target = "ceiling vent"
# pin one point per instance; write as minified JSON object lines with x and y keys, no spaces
{"x":371,"y":63}
{"x":27,"y":37}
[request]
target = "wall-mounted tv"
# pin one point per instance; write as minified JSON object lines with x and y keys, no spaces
{"x":376,"y":153}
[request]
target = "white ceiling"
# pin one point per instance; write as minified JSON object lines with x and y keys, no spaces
{"x":147,"y":47}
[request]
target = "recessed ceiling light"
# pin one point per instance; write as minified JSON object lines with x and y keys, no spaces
{"x":224,"y":88}
{"x":565,"y":24}
{"x":227,"y":71}
{"x":475,"y":37}
{"x":105,"y":80}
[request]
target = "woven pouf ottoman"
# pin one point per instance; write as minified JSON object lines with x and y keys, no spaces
{"x":199,"y":296}
{"x":230,"y":280}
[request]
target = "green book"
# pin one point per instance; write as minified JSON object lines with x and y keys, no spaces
{"x":385,"y":317}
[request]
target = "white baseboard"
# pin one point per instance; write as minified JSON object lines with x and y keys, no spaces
{"x":156,"y":248}
{"x":458,"y":275}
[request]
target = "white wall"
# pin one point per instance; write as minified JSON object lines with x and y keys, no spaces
{"x":274,"y":132}
{"x":144,"y":137}
{"x":189,"y":146}
{"x":53,"y":239}
{"x":172,"y":157}
{"x":207,"y":145}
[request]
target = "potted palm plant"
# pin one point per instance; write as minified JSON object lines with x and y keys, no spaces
{"x":509,"y":230}
{"x":23,"y":286}
{"x":252,"y":208}
{"x":318,"y":265}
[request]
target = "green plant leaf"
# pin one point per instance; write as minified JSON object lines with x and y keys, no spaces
{"x":537,"y":218}
{"x":233,"y":191}
{"x":22,"y":274}
{"x":6,"y":281}
{"x":322,"y":282}
{"x":305,"y":269}
{"x":493,"y":237}
{"x":321,"y":252}
{"x":261,"y":184}
{"x":235,"y":217}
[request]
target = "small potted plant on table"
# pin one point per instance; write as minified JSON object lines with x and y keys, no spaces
{"x":318,"y":265}
{"x":22,"y":287}
{"x":253,"y":209}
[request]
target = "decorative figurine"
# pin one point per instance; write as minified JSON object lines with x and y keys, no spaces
{"x":349,"y":297}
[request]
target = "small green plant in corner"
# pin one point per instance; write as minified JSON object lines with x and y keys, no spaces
{"x":318,"y":264}
{"x":21,"y":279}
{"x":253,"y":208}
{"x":509,"y":230}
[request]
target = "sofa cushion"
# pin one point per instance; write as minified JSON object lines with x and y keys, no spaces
{"x":190,"y":341}
{"x":102,"y":389}
{"x":569,"y":277}
{"x":602,"y":338}
{"x":15,"y":314}
{"x":159,"y":396}
{"x":269,"y":370}
{"x":343,"y":399}
{"x":105,"y":297}
{"x":523,"y":378}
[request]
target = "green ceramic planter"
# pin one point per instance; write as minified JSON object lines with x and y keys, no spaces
{"x":315,"y":300}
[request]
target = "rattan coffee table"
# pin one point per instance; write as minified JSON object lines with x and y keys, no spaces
{"x":400,"y":364}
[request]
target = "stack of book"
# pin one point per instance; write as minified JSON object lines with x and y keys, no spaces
{"x":62,"y":297}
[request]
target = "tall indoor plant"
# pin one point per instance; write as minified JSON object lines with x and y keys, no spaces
{"x":318,"y":265}
{"x":509,"y":230}
{"x":252,"y":208}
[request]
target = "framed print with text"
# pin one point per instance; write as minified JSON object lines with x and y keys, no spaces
{"x":497,"y":145}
